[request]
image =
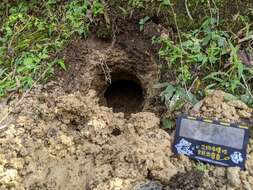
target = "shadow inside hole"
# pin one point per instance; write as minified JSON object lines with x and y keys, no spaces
{"x":116,"y":132}
{"x":125,"y":96}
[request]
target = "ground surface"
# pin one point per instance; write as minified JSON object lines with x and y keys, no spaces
{"x":61,"y":135}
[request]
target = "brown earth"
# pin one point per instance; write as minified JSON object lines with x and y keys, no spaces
{"x":62,"y":135}
{"x":64,"y":141}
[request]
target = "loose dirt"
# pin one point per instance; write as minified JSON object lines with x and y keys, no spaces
{"x":64,"y":135}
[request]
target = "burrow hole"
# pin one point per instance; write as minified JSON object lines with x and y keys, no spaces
{"x":125,"y":93}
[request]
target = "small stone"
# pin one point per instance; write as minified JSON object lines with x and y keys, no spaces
{"x":250,"y":180}
{"x":243,"y":175}
{"x":196,"y":107}
{"x":247,"y":186}
{"x":150,"y":185}
{"x":233,"y":176}
{"x":244,"y":114}
{"x":66,"y":140}
{"x":204,"y":108}
{"x":219,"y":172}
{"x":238,"y":104}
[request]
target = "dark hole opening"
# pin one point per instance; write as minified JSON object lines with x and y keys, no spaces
{"x":124,"y":95}
{"x":116,"y":132}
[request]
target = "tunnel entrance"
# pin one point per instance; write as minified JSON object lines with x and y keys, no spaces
{"x":124,"y":94}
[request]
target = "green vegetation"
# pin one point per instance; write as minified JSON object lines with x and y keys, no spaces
{"x":32,"y":33}
{"x":142,"y":22}
{"x":175,"y":97}
{"x":207,"y":50}
{"x":208,"y":57}
{"x":214,"y":57}
{"x":167,"y":124}
{"x":201,"y":167}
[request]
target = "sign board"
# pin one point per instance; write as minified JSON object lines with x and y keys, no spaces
{"x":211,"y":141}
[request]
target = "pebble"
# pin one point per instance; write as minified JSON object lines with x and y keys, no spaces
{"x":219,"y":172}
{"x":233,"y":176}
{"x":247,"y":186}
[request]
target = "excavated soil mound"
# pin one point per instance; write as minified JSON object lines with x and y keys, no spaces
{"x":68,"y":141}
{"x":70,"y":135}
{"x":76,"y":144}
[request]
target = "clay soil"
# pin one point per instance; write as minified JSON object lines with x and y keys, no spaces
{"x":69,"y":134}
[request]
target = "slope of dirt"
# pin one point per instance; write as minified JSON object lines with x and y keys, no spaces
{"x":69,"y":142}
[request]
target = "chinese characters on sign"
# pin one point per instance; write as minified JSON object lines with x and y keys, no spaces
{"x":214,"y":152}
{"x":216,"y":143}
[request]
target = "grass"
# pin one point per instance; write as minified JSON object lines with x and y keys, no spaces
{"x":208,"y":58}
{"x":32,"y":33}
{"x":205,"y":57}
{"x":208,"y":55}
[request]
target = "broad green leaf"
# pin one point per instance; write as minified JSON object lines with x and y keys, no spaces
{"x":166,"y":2}
{"x":229,"y":97}
{"x":206,"y":40}
{"x":247,"y":99}
{"x":62,"y":64}
{"x":28,"y":61}
{"x":167,"y":124}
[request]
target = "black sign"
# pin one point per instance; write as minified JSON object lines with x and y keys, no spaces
{"x":211,"y":141}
